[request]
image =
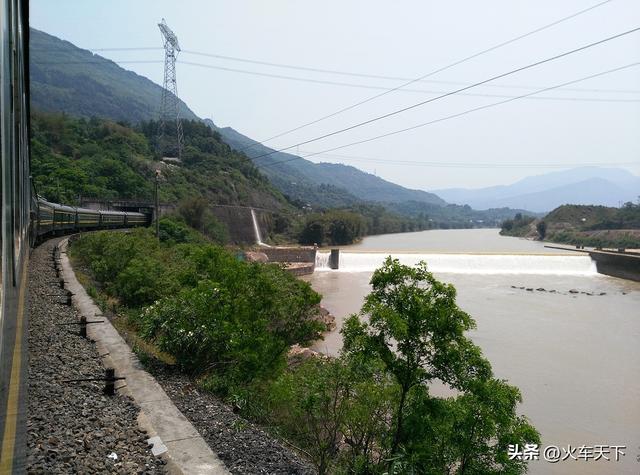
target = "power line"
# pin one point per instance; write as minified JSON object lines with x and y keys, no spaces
{"x":314,"y":69}
{"x":453,"y":116}
{"x":343,"y":84}
{"x":469,"y":164}
{"x":457,"y":91}
{"x":138,"y":48}
{"x":432,"y":73}
{"x":375,"y":76}
{"x":419,"y":91}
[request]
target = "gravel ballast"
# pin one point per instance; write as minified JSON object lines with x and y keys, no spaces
{"x":72,"y":426}
{"x":242,"y":446}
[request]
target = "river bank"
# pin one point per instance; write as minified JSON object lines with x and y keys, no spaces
{"x":579,"y":225}
{"x":555,"y":346}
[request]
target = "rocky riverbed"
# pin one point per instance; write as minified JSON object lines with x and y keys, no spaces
{"x":72,"y":426}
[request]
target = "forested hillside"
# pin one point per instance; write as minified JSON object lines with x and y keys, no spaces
{"x":68,"y":79}
{"x":74,"y":158}
{"x":296,"y":176}
{"x":98,"y":158}
{"x":582,"y":225}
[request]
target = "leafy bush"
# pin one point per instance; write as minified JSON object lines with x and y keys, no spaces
{"x":213,"y":313}
{"x":518,"y":226}
{"x":541,"y":227}
{"x":207,"y":331}
{"x":173,"y":229}
{"x":334,"y":227}
{"x":336,"y":410}
{"x":196,"y":213}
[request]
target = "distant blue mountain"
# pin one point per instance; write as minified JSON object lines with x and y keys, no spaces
{"x":541,"y":193}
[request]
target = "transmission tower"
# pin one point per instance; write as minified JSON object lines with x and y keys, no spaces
{"x":169,"y":107}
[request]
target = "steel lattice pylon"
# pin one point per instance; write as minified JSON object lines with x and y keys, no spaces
{"x":169,"y":106}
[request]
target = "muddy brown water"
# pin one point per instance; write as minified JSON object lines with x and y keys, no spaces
{"x":574,"y":356}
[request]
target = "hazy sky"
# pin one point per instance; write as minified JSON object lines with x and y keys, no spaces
{"x":405,"y":39}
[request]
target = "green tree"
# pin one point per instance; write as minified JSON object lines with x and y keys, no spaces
{"x":313,"y":231}
{"x":409,"y":309}
{"x":309,"y":405}
{"x":541,"y":227}
{"x":417,"y":331}
{"x":193,"y":211}
{"x":336,"y":409}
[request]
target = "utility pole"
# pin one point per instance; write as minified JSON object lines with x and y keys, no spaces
{"x":157,"y":205}
{"x":169,"y":107}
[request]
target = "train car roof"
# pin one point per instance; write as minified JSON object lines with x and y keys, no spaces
{"x":87,"y":210}
{"x":118,"y":213}
{"x":45,"y":202}
{"x":63,"y":208}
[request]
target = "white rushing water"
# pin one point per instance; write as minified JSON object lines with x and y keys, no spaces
{"x":580,"y":265}
{"x":256,"y":229}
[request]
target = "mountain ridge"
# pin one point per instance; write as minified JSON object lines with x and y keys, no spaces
{"x":541,"y":193}
{"x":75,"y":81}
{"x":110,"y":91}
{"x":356,"y":182}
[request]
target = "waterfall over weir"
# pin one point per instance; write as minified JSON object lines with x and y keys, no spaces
{"x":468,"y":263}
{"x":256,"y":229}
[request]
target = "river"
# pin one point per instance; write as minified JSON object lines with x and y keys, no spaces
{"x":574,"y":356}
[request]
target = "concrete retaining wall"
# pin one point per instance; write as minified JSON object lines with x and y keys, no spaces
{"x":239,"y":223}
{"x":290,"y":254}
{"x":625,"y":266}
{"x":300,"y":268}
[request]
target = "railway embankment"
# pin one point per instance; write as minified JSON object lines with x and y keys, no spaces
{"x":183,"y":417}
{"x":72,"y":426}
{"x":244,"y":447}
{"x":171,"y":433}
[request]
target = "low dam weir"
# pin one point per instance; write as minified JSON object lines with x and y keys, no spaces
{"x":558,"y":264}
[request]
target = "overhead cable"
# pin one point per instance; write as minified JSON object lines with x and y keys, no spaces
{"x":453,"y":116}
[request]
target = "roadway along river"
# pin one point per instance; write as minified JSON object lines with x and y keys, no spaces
{"x":574,"y":356}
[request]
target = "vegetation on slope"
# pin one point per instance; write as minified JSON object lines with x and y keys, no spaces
{"x":597,"y":226}
{"x":65,"y":78}
{"x":78,"y":158}
{"x":197,"y":302}
{"x":345,"y":226}
{"x":68,"y":79}
{"x":520,"y":225}
{"x":229,"y":323}
{"x":73,"y":158}
{"x":296,"y":174}
{"x":452,"y":216}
